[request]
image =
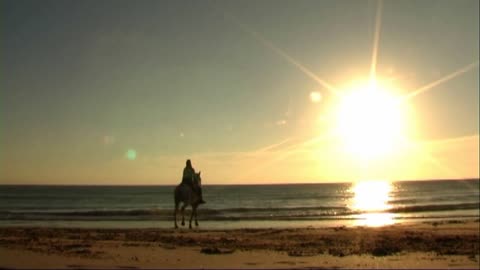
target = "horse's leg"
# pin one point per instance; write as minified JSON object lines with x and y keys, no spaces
{"x":183,"y":214}
{"x":196,"y":220}
{"x":194,"y":209}
{"x":175,"y":215}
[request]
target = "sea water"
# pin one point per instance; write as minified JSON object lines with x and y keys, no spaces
{"x":236,"y":206}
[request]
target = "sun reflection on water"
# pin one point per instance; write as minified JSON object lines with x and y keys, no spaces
{"x":371,"y":198}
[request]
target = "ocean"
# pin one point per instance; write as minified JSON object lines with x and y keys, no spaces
{"x":365,"y":203}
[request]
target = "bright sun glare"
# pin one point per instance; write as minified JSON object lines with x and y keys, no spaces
{"x":371,"y":195}
{"x":372,"y":199}
{"x":370,"y":122}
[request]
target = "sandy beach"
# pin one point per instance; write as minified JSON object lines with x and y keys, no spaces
{"x":447,"y":244}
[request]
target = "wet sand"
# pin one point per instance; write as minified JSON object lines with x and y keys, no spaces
{"x":448,"y":244}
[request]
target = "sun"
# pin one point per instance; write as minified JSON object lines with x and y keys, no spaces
{"x":370,"y":122}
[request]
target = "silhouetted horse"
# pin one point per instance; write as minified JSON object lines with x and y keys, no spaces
{"x":185,"y":194}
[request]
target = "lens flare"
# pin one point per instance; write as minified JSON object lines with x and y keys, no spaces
{"x":131,"y":154}
{"x":315,"y":97}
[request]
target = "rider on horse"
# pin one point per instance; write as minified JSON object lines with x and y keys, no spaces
{"x":188,"y":178}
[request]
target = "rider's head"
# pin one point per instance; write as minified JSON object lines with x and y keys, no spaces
{"x":189,"y":163}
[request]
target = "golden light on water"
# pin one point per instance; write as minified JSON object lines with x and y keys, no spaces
{"x":375,"y":219}
{"x":372,"y":198}
{"x":371,"y":195}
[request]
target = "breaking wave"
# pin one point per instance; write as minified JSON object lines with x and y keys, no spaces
{"x":292,"y":213}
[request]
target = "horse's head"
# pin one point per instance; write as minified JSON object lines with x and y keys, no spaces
{"x":197,"y":179}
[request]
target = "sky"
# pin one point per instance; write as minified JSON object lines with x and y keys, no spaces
{"x":123,"y":92}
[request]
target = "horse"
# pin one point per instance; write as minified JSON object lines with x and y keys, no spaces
{"x":186,"y":195}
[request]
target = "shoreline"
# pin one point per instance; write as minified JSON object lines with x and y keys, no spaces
{"x":438,"y":244}
{"x":362,"y":219}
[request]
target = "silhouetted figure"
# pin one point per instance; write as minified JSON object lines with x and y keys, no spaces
{"x":185,"y":194}
{"x":189,"y":177}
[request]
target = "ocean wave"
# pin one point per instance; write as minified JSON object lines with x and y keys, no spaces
{"x":169,"y":212}
{"x":292,"y":213}
{"x":435,"y":207}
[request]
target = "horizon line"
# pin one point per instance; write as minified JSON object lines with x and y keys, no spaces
{"x":240,"y":184}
